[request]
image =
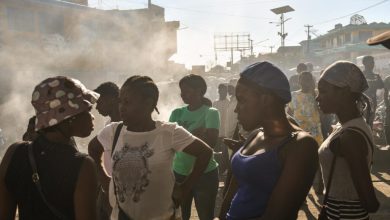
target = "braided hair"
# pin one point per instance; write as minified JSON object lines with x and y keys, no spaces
{"x":145,"y":86}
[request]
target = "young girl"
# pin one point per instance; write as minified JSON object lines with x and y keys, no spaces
{"x":67,"y":178}
{"x":143,"y":185}
{"x":202,"y":121}
{"x":351,"y":194}
{"x":274,"y":169}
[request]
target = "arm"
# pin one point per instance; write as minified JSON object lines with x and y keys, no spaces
{"x":386,"y":97}
{"x":85,"y":192}
{"x":213,"y":124}
{"x":354,"y":149}
{"x":7,"y":201}
{"x":202,"y":153}
{"x":208,"y":135}
{"x":95,"y":150}
{"x":299,"y":167}
{"x":227,"y":200}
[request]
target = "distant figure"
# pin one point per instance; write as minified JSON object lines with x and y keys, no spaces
{"x":63,"y":184}
{"x":387,"y":104}
{"x":350,"y":146}
{"x":309,"y":67}
{"x":294,"y":79}
{"x":231,"y":115}
{"x":374,"y":84}
{"x":108,"y":102}
{"x":305,"y":110}
{"x":199,"y":118}
{"x":106,"y":105}
{"x":222,"y":105}
{"x":2,"y":138}
{"x":30,"y":133}
{"x":304,"y":107}
{"x":384,"y":39}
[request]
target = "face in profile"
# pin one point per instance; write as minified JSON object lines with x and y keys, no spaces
{"x":104,"y":105}
{"x":82,"y":124}
{"x":327,"y":97}
{"x":188,"y":94}
{"x":231,"y":90}
{"x":222,"y":91}
{"x":249,"y":109}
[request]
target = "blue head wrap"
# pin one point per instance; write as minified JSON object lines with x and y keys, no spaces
{"x":270,"y":77}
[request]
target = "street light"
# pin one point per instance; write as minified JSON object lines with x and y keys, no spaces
{"x":280,"y":11}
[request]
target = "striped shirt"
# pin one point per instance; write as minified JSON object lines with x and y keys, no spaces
{"x":345,"y":210}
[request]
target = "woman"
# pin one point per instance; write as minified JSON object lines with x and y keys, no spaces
{"x":351,"y":194}
{"x":143,"y":185}
{"x":202,"y":121}
{"x":304,"y":108}
{"x":277,"y":160}
{"x":64,"y":183}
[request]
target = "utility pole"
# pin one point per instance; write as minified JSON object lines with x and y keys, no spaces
{"x":281,"y":11}
{"x":271,"y":47}
{"x":282,"y":34}
{"x":251,"y":45}
{"x":308,"y":37}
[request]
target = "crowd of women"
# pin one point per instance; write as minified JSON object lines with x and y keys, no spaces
{"x":139,"y":168}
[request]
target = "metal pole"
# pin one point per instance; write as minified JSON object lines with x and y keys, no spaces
{"x":231,"y":62}
{"x":308,"y":37}
{"x":282,"y":29}
{"x":251,"y":41}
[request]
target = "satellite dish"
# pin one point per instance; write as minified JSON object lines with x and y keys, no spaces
{"x":358,"y":19}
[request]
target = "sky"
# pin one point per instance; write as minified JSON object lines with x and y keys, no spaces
{"x":202,"y":19}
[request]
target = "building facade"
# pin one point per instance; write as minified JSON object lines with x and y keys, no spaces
{"x":71,"y":36}
{"x":344,"y":42}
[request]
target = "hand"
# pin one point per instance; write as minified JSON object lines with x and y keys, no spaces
{"x":104,"y":180}
{"x":234,"y":145}
{"x":180,"y":192}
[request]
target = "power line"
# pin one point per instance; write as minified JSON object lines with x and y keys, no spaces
{"x":107,"y":5}
{"x":208,"y":12}
{"x":217,"y":13}
{"x":236,"y":3}
{"x":338,"y":18}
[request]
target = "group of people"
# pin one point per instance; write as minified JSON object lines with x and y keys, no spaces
{"x":141,"y":168}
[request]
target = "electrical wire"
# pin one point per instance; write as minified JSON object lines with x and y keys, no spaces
{"x":218,"y":13}
{"x":237,"y":3}
{"x":348,"y":15}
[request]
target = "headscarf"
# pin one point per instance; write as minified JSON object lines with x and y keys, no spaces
{"x":345,"y":74}
{"x":270,"y":77}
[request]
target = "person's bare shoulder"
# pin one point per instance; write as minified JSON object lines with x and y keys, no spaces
{"x":303,"y":146}
{"x":8,"y":156}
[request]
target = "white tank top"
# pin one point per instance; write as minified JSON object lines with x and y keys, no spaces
{"x":342,"y":186}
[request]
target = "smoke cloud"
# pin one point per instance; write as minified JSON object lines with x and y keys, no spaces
{"x":93,"y":46}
